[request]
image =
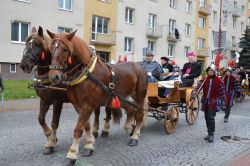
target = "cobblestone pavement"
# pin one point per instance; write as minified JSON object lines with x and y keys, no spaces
{"x":22,"y":139}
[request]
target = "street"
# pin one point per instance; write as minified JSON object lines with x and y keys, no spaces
{"x":22,"y":140}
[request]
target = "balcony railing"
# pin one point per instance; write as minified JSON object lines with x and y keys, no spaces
{"x":172,"y":38}
{"x":154,"y":31}
{"x":204,"y":10}
{"x":108,"y":38}
{"x":203,"y":52}
{"x":236,"y":13}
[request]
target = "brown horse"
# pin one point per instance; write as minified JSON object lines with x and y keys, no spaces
{"x":70,"y":53}
{"x":36,"y":44}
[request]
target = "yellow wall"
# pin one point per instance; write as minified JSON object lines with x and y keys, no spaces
{"x":103,"y":9}
{"x":201,"y":32}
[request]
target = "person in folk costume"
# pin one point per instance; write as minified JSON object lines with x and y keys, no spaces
{"x":231,"y":85}
{"x":213,"y":96}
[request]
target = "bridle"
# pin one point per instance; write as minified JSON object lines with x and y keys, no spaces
{"x":32,"y":56}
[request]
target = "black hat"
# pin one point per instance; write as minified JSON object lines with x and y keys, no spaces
{"x":165,"y":58}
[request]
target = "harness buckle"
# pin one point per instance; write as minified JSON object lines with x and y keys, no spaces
{"x":112,"y":86}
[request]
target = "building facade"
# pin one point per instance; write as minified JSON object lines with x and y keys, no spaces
{"x":165,"y":28}
{"x":19,"y":16}
{"x":100,"y":27}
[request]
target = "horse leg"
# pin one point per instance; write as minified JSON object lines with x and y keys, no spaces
{"x":90,"y":141}
{"x":105,"y":130}
{"x":57,"y":109}
{"x":128,"y":124}
{"x":96,"y":122}
{"x":44,"y":107}
{"x":83,"y":119}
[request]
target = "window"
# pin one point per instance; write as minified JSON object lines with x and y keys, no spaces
{"x":189,"y":6}
{"x":129,"y":15}
{"x":65,"y":4}
{"x":13,"y":68}
{"x":170,"y":50}
{"x":242,"y":26}
{"x":248,"y":21}
{"x":151,"y":46}
{"x":225,"y":18}
{"x":234,"y":22}
{"x":242,"y":9}
{"x":186,"y":50}
{"x":99,"y":25}
{"x":249,"y":5}
{"x":172,"y":26}
{"x":214,"y":16}
{"x":202,"y":3}
{"x":62,"y":29}
{"x":172,"y":3}
{"x":233,"y":41}
{"x":188,"y":29}
{"x":152,"y":20}
{"x":19,"y":31}
{"x":28,"y":1}
{"x":201,"y":42}
{"x":202,"y":21}
{"x":235,"y":6}
{"x":128,"y":44}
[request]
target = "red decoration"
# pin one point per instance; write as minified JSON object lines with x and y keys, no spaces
{"x":217,"y":60}
{"x":69,"y":60}
{"x":115,"y":104}
{"x":125,"y":58}
{"x":232,"y":63}
{"x":119,"y":59}
{"x":173,"y":62}
{"x":43,"y":56}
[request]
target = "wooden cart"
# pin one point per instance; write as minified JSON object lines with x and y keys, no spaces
{"x":170,"y":108}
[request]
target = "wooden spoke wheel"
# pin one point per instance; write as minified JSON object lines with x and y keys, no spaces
{"x":171,"y":119}
{"x":193,"y":111}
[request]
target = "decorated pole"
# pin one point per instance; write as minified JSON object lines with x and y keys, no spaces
{"x":218,"y":54}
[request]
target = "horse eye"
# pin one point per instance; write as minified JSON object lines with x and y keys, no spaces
{"x":65,"y":50}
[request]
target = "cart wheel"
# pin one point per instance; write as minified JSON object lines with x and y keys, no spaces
{"x":171,"y":119}
{"x":193,"y":112}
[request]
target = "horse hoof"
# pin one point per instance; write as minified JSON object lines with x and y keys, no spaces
{"x":87,"y":152}
{"x":95,"y":134}
{"x":48,"y":150}
{"x":105,"y":134}
{"x":133,"y":142}
{"x":69,"y":162}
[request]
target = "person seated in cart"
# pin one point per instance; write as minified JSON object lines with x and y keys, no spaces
{"x":242,"y":75}
{"x":153,"y":68}
{"x":232,"y":86}
{"x":213,"y":97}
{"x":190,"y":71}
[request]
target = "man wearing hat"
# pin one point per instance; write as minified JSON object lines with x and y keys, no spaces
{"x":190,"y":71}
{"x":153,"y":68}
{"x":213,"y":95}
{"x":231,"y":85}
{"x":165,"y":64}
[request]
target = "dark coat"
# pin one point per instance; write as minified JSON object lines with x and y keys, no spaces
{"x":168,"y":66}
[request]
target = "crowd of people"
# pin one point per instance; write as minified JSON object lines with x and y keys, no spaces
{"x":218,"y":92}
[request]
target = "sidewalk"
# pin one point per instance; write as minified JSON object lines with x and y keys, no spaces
{"x":242,"y":159}
{"x":24,"y":105}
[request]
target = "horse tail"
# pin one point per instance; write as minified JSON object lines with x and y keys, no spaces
{"x":117,"y":114}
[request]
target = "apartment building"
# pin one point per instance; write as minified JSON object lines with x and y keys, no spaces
{"x":165,"y":28}
{"x":202,"y":26}
{"x":19,"y":16}
{"x":233,"y":24}
{"x":100,"y":26}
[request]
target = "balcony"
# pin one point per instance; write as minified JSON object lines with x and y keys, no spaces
{"x":103,"y":38}
{"x":204,"y":52}
{"x":204,"y":10}
{"x":154,"y":31}
{"x":172,"y":37}
{"x":236,"y":13}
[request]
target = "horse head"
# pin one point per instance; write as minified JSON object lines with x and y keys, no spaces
{"x":62,"y":55}
{"x":36,"y":50}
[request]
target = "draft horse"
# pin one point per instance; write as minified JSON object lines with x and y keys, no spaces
{"x":87,"y":76}
{"x":37,"y":53}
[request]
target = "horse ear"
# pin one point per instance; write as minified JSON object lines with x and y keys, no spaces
{"x":33,"y":30}
{"x":71,"y":35}
{"x":52,"y":35}
{"x":40,"y":31}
